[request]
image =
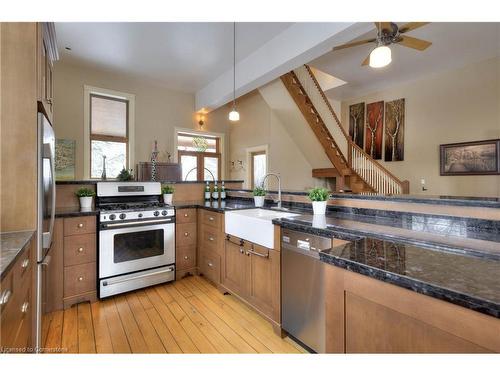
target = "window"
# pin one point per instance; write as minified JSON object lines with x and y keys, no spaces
{"x":199,"y":156}
{"x":259,"y":167}
{"x":108,"y":135}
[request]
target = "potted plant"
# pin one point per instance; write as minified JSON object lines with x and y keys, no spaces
{"x":259,"y":195}
{"x":319,"y":197}
{"x":125,"y":175}
{"x":168,"y":193}
{"x":85,"y":195}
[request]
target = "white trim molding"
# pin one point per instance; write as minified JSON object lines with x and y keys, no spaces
{"x":222,"y":144}
{"x":249,"y":151}
{"x":87,"y":90}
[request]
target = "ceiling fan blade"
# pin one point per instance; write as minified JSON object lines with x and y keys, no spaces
{"x":366,"y":61}
{"x":411,"y":26}
{"x":354,"y":44}
{"x":414,"y":43}
{"x":383,"y":26}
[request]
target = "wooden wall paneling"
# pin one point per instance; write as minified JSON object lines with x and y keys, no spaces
{"x":18,"y":128}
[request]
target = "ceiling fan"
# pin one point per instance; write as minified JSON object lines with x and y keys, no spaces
{"x":389,"y":33}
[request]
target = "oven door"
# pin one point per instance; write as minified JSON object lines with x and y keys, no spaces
{"x":135,"y":246}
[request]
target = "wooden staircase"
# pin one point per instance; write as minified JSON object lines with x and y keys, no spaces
{"x":358,"y":172}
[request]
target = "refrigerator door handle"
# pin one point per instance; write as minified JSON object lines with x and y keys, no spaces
{"x":47,"y":236}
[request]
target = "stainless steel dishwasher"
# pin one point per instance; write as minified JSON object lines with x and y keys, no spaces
{"x":302,"y":289}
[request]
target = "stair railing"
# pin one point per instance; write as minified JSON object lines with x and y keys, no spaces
{"x":373,"y":173}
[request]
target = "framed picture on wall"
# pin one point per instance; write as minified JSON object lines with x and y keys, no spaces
{"x":470,"y":158}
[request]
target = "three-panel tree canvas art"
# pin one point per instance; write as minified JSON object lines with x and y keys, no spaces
{"x":383,"y":124}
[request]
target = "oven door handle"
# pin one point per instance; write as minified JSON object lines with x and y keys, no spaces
{"x":113,"y":282}
{"x":136,"y":223}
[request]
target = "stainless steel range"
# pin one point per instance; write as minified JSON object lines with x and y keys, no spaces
{"x":136,"y":237}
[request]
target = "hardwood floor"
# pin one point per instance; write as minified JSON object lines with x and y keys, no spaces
{"x":187,"y":316}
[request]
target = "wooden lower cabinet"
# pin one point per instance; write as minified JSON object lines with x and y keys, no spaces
{"x":186,"y":240}
{"x":364,"y":315}
{"x":17,"y":312}
{"x":252,"y":272}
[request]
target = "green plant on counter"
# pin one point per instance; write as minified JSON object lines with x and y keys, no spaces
{"x":125,"y":175}
{"x":167,"y":189}
{"x":84,"y":192}
{"x":319,"y":194}
{"x":259,"y":191}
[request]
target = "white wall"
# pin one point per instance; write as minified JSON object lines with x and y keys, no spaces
{"x":455,"y":106}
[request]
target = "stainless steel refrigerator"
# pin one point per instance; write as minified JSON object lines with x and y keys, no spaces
{"x":46,"y":216}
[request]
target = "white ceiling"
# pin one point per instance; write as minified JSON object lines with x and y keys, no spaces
{"x":181,"y":56}
{"x":453,"y":45}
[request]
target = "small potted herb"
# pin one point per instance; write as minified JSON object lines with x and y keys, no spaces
{"x":259,"y":195}
{"x":319,"y":197}
{"x":168,"y":194}
{"x":125,"y":175}
{"x":85,"y":195}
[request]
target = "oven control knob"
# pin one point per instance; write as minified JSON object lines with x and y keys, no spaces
{"x":112,"y":217}
{"x":123,"y":216}
{"x":139,"y":215}
{"x":157,"y":213}
{"x":164,"y":213}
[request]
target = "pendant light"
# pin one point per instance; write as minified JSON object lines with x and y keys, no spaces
{"x":381,"y":56}
{"x":234,"y":115}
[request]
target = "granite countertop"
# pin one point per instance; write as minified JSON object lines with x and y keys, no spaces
{"x":218,"y":206}
{"x":76,"y":211}
{"x":461,"y":279}
{"x":11,"y":245}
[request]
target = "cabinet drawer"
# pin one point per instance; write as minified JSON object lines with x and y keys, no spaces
{"x":210,"y":266}
{"x":79,"y":279}
{"x":23,"y":270}
{"x":79,"y":249}
{"x":185,"y":234}
{"x":185,"y":257}
{"x":210,"y":239}
{"x":185,"y":215}
{"x":210,"y":218}
{"x":79,"y":225}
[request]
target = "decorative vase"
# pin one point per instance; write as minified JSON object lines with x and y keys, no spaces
{"x":154,"y":159}
{"x":319,"y":221}
{"x":85,"y":202}
{"x":319,"y":208}
{"x":259,"y":201}
{"x":167,"y":199}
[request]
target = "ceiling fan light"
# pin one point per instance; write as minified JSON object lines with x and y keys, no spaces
{"x":380,"y":57}
{"x":234,"y":115}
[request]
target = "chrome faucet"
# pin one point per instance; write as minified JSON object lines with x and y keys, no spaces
{"x":279,"y":187}
{"x":192,"y":169}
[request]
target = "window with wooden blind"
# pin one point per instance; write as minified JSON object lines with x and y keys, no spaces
{"x":109,"y":118}
{"x":200,"y":157}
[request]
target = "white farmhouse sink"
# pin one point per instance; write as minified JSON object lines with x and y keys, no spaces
{"x":254,"y":225}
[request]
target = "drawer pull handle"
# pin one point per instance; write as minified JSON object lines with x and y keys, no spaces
{"x":5,"y":296}
{"x":186,"y":257}
{"x":210,"y":264}
{"x":211,"y":238}
{"x":186,"y":215}
{"x":25,"y":307}
{"x":25,"y":263}
{"x":250,"y":252}
{"x":186,"y":234}
{"x":211,"y":218}
{"x":80,"y":225}
{"x":80,"y":278}
{"x":80,"y":249}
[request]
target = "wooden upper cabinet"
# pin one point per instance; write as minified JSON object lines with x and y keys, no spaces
{"x":46,"y":56}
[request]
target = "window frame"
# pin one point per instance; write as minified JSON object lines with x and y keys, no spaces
{"x":87,"y":149}
{"x":221,"y":148}
{"x":109,"y":138}
{"x":264,"y":149}
{"x":200,"y":156}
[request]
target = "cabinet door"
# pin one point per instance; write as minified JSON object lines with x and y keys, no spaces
{"x":263,"y":280}
{"x":234,"y":267}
